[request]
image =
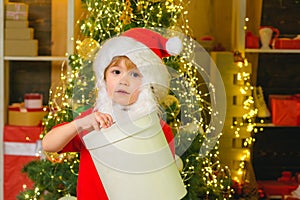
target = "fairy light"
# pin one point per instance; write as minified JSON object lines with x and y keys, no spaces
{"x":247,"y":121}
{"x":112,"y":16}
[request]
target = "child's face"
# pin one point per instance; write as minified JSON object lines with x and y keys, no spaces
{"x":123,"y":83}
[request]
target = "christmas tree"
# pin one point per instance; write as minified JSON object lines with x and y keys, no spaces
{"x":189,"y":108}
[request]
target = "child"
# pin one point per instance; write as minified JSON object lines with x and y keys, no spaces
{"x":131,"y":79}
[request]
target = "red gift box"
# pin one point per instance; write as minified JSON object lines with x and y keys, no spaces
{"x":277,"y":188}
{"x":21,"y":145}
{"x":287,"y":43}
{"x":285,"y":110}
{"x":252,"y":41}
{"x":33,"y":100}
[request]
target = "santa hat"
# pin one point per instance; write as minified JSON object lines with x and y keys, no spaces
{"x":161,"y":46}
{"x":145,"y":48}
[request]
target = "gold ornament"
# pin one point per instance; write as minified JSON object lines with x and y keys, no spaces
{"x":60,"y":157}
{"x":88,"y":48}
{"x":126,"y":13}
{"x":54,"y":157}
{"x":171,"y":104}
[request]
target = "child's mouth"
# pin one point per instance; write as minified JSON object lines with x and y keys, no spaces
{"x":122,"y":92}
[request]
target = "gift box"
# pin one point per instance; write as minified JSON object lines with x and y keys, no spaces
{"x":277,"y":188}
{"x":16,"y":24}
{"x":16,"y":11}
{"x":252,"y":41}
{"x":20,"y":47}
{"x":285,"y":110}
{"x":21,"y":146}
{"x":287,"y":43}
{"x":33,"y":100}
{"x":19,"y":116}
{"x":19,"y":33}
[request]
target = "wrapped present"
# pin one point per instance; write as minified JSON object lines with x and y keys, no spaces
{"x":277,"y":188}
{"x":287,"y":43}
{"x":16,"y":24}
{"x":21,"y":47}
{"x":285,"y":110}
{"x":21,"y":146}
{"x":18,"y":115}
{"x":18,"y":33}
{"x":33,"y":100}
{"x":16,"y":11}
{"x":252,"y":41}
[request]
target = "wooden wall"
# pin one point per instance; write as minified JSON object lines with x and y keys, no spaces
{"x":212,"y":17}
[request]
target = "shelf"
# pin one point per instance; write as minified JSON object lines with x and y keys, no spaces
{"x":264,"y":125}
{"x":35,"y":58}
{"x":272,"y":50}
{"x":273,"y":125}
{"x":60,"y":22}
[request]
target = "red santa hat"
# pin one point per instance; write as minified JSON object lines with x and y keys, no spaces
{"x":161,"y":46}
{"x":145,"y":48}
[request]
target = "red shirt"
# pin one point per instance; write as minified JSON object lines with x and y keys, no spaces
{"x":89,"y":186}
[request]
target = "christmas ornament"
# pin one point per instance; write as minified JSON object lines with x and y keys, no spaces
{"x":67,"y":198}
{"x":54,"y":157}
{"x":179,"y":162}
{"x":88,"y":48}
{"x":126,"y":13}
{"x":171,"y":107}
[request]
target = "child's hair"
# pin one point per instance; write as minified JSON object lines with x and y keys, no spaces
{"x":116,"y":60}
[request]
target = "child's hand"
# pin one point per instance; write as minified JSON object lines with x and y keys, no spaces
{"x":94,"y":121}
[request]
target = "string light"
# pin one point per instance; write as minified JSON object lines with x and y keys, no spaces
{"x":106,"y":19}
{"x":246,"y":123}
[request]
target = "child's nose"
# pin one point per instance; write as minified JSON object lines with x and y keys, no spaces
{"x":125,"y":79}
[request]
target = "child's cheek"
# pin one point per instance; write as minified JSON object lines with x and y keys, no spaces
{"x":109,"y":90}
{"x":134,"y":96}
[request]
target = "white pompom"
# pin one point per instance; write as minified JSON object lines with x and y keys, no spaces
{"x":174,"y":46}
{"x":179,"y":163}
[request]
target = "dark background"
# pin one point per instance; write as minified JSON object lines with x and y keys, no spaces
{"x":278,"y":73}
{"x":277,"y":149}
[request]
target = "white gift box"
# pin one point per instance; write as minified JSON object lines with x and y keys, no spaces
{"x":16,"y":11}
{"x":134,"y":160}
{"x":33,"y":100}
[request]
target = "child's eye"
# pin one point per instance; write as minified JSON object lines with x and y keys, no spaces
{"x":135,"y":74}
{"x":115,"y":71}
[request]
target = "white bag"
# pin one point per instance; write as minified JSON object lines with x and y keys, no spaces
{"x":135,"y":162}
